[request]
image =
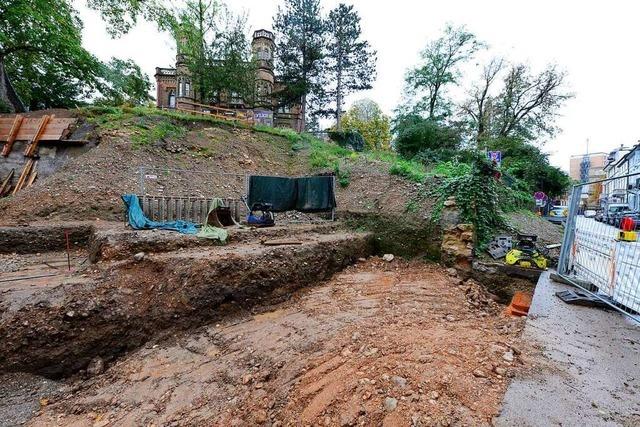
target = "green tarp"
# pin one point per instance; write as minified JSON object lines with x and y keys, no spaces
{"x":280,"y":192}
{"x":307,"y":194}
{"x":315,"y":194}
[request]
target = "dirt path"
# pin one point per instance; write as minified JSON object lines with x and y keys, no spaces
{"x":380,"y":344}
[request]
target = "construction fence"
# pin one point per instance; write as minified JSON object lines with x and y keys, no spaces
{"x":600,"y":250}
{"x":169,"y":194}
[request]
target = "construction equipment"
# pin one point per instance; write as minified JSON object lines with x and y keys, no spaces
{"x":264,"y":219}
{"x":627,"y":233}
{"x":526,"y":253}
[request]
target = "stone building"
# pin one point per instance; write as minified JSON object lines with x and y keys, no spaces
{"x":174,"y":89}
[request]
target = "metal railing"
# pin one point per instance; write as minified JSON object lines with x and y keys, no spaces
{"x":196,"y":210}
{"x":597,"y":254}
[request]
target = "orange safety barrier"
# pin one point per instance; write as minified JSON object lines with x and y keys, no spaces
{"x":520,"y":304}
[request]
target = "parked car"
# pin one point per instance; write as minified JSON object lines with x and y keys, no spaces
{"x":562,"y":211}
{"x":611,"y":210}
{"x":599,"y":215}
{"x":589,"y":213}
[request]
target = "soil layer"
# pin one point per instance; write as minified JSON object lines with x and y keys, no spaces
{"x":382,"y":343}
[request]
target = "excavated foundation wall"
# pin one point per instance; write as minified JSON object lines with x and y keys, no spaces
{"x":61,"y":330}
{"x":35,"y":238}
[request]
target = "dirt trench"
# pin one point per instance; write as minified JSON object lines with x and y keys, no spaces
{"x":381,"y":343}
{"x":121,"y":305}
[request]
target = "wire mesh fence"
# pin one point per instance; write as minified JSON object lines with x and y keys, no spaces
{"x":187,"y":194}
{"x":600,"y":251}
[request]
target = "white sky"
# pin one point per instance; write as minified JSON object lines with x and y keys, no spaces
{"x":596,"y":42}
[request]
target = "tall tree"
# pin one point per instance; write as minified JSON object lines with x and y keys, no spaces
{"x":528,"y":104}
{"x":214,"y":45}
{"x":350,"y":61}
{"x":233,"y":70}
{"x":479,"y":106}
{"x":440,"y":68}
{"x":299,"y":49}
{"x":41,"y":50}
{"x":194,"y":30}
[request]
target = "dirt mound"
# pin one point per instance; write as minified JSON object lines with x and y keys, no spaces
{"x":219,"y":157}
{"x":528,"y":223}
{"x":379,"y":344}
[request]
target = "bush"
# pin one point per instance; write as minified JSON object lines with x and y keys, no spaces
{"x":416,"y":135}
{"x":408,"y":169}
{"x":351,"y":139}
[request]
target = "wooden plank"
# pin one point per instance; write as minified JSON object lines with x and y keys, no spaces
{"x":12,"y":135}
{"x":33,"y":144}
{"x":33,"y":175}
{"x":6,"y":183}
{"x":26,"y":170}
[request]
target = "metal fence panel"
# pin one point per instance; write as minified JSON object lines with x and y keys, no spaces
{"x":595,"y":255}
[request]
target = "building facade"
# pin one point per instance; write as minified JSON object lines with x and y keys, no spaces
{"x":174,"y":89}
{"x":622,"y":188}
{"x":586,"y":168}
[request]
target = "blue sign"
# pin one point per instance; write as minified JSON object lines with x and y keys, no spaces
{"x":495,"y":156}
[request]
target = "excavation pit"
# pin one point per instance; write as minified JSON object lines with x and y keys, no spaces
{"x":109,"y":308}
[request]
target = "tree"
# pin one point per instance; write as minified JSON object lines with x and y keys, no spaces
{"x":528,"y":104}
{"x":417,"y":135}
{"x":124,"y":82}
{"x":194,"y":30}
{"x":213,"y":44}
{"x":42,"y":59}
{"x":530,"y":165}
{"x":299,"y":49}
{"x":122,"y":15}
{"x":440,"y":68}
{"x":479,"y":108}
{"x":350,"y":61}
{"x":366,"y":117}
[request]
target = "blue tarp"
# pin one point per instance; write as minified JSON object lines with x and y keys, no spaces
{"x":138,"y":221}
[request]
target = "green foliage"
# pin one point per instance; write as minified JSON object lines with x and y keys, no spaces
{"x":125,"y":83}
{"x":350,"y":63}
{"x":439,"y":69}
{"x":213,"y":44}
{"x":148,"y":133}
{"x":413,"y":171}
{"x":450,"y":169}
{"x":351,"y":139}
{"x":41,"y":50}
{"x":366,"y":118}
{"x":480,"y":197}
{"x":299,"y":50}
{"x":416,"y":134}
{"x":343,"y":174}
{"x":529,"y":167}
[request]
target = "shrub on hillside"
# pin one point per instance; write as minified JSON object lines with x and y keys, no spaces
{"x":350,"y":139}
{"x":416,"y":135}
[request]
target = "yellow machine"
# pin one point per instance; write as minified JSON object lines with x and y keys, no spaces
{"x":526,"y":254}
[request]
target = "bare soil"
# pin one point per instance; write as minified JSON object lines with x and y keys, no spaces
{"x":88,"y":187}
{"x":379,"y":344}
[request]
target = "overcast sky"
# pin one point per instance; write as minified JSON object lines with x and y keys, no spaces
{"x":595,"y":42}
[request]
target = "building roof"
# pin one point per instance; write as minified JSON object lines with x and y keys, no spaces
{"x":626,"y":156}
{"x":575,"y":156}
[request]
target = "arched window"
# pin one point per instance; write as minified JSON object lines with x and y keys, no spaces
{"x":172,"y":99}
